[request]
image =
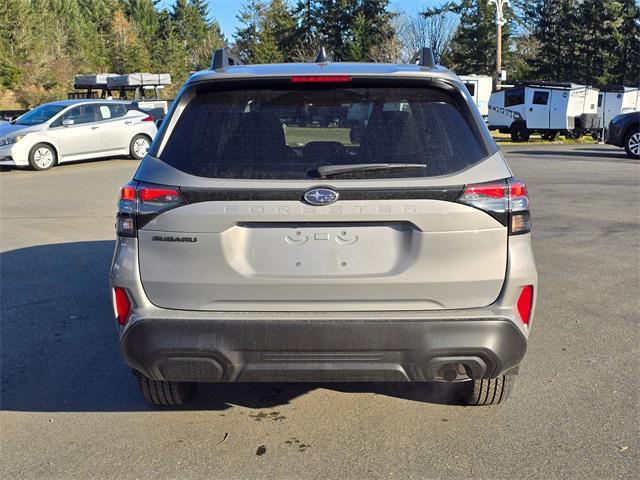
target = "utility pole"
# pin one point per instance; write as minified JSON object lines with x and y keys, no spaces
{"x":500,"y":21}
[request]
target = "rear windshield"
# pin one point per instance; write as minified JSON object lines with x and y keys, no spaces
{"x":289,"y":134}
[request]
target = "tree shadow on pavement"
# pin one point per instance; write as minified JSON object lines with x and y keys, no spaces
{"x":59,"y":350}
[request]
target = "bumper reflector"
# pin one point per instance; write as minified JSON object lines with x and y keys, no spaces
{"x":123,"y":306}
{"x":525,"y":302}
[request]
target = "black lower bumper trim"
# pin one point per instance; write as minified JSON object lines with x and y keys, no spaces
{"x":249,"y":350}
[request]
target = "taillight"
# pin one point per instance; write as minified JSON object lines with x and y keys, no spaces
{"x":162,"y":195}
{"x":525,"y":302}
{"x":123,"y":305}
{"x":140,"y":203}
{"x":148,"y":118}
{"x":520,"y":216}
{"x":505,"y":200}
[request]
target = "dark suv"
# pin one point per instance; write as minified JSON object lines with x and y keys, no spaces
{"x":323,"y":222}
{"x":624,"y":131}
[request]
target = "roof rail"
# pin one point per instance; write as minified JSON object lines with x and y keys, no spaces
{"x":424,"y":58}
{"x":223,"y":58}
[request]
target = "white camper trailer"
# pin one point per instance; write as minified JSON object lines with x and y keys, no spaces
{"x":613,"y":101}
{"x":547,"y":108}
{"x":479,"y":87}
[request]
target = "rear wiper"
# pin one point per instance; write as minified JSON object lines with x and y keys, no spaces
{"x":330,"y":170}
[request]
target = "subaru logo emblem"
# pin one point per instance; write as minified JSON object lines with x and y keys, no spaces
{"x":320,"y":196}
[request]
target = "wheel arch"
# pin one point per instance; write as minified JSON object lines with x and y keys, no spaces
{"x":518,"y":121}
{"x":48,"y":143}
{"x":143,"y":134}
{"x":630,"y":128}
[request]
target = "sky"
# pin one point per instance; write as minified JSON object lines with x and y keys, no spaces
{"x":225,"y":11}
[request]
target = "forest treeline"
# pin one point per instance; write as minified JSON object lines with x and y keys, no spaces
{"x":44,"y":43}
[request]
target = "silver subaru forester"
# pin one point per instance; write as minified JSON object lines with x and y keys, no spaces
{"x":323,"y":222}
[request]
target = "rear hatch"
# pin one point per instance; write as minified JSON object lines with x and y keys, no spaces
{"x":299,"y":196}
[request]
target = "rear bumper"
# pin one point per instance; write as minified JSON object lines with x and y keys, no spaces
{"x":211,"y":350}
{"x":614,"y":135}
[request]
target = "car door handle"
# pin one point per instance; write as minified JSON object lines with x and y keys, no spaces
{"x":128,"y":122}
{"x":95,"y":127}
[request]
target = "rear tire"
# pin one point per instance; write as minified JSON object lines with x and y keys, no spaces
{"x":632,"y":143}
{"x":489,"y":392}
{"x":139,"y":146}
{"x":519,"y":132}
{"x":159,"y":392}
{"x":42,"y":156}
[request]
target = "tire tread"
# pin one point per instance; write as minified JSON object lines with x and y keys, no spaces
{"x":165,"y":393}
{"x":491,"y":391}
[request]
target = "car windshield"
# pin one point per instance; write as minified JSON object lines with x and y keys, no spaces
{"x":39,"y":115}
{"x":297,"y":133}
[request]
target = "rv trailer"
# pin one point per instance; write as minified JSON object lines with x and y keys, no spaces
{"x":616,"y":100}
{"x":479,"y":87}
{"x":547,"y":108}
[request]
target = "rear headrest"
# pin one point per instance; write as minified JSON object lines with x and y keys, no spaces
{"x":388,"y":134}
{"x":393,"y":118}
{"x":261,"y":127}
{"x":258,"y":137}
{"x":325,"y":152}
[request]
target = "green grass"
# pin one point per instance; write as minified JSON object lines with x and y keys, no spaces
{"x":505,"y":138}
{"x":298,"y":136}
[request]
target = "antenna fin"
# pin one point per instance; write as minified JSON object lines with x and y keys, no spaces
{"x":424,"y":58}
{"x":322,"y":56}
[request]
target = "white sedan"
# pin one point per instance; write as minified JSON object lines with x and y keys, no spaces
{"x":72,"y":130}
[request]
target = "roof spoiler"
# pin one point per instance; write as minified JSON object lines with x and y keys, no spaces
{"x":424,"y":57}
{"x":223,"y":58}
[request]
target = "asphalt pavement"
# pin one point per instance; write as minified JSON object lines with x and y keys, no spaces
{"x":70,"y":408}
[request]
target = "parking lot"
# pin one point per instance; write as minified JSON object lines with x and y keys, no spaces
{"x":71,"y":409}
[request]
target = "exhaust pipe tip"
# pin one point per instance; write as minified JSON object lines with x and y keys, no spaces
{"x":451,"y":372}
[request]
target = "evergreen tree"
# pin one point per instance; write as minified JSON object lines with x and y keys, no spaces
{"x":127,"y":51}
{"x":194,"y":29}
{"x":373,"y":31}
{"x":143,"y":13}
{"x":554,"y":24}
{"x":44,"y":43}
{"x":306,"y":40}
{"x":171,"y":55}
{"x":336,"y":18}
{"x":600,"y":43}
{"x":472,"y":49}
{"x":628,"y":68}
{"x":247,"y":37}
{"x":594,"y":42}
{"x":282,"y":23}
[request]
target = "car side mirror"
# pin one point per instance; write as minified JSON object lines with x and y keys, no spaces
{"x":67,"y":122}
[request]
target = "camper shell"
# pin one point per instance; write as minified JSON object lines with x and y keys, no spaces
{"x":547,"y":108}
{"x":479,"y":87}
